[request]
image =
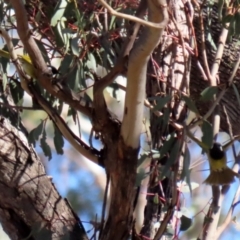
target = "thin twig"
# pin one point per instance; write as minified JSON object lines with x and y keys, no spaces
{"x":133,"y":18}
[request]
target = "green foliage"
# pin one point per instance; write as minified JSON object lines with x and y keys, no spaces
{"x":58,"y":141}
{"x":185,"y":170}
{"x":191,"y":105}
{"x":44,"y":145}
{"x":173,"y":157}
{"x":208,"y":93}
{"x":207,"y":137}
{"x":236,"y":93}
{"x":167,"y":144}
{"x":35,"y":134}
{"x":160,"y":101}
{"x":59,"y":12}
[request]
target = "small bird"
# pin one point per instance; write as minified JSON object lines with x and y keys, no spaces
{"x":220,"y":173}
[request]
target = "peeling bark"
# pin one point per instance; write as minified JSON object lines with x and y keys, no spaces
{"x":30,"y":204}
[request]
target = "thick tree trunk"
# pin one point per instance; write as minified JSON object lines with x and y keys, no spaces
{"x":30,"y":204}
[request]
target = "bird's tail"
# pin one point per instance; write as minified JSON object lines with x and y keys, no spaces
{"x":223,"y":177}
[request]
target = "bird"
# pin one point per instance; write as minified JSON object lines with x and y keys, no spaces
{"x":27,"y":65}
{"x":220,"y":173}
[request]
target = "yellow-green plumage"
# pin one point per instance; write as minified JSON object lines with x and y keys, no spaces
{"x":220,"y":173}
{"x":27,"y":65}
{"x":25,"y":62}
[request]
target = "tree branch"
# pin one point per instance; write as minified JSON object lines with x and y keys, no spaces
{"x":31,"y":204}
{"x":159,"y":25}
{"x":76,"y":142}
{"x":137,"y":71}
{"x":42,"y":72}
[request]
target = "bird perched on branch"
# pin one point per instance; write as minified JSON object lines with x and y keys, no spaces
{"x":26,"y":63}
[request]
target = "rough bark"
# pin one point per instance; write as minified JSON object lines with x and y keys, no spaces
{"x":30,"y":204}
{"x":230,"y":56}
{"x":118,"y":158}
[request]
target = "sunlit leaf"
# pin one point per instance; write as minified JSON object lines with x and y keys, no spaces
{"x":113,"y":18}
{"x":91,"y":63}
{"x":58,"y":12}
{"x":208,"y":93}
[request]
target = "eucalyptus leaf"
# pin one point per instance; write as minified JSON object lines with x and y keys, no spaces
{"x":161,"y":102}
{"x":142,"y":158}
{"x":58,"y":12}
{"x":75,"y":46}
{"x":208,"y":93}
{"x":166,"y":117}
{"x":91,"y":63}
{"x":35,"y":134}
{"x":207,"y":137}
{"x":231,"y":29}
{"x":236,"y":93}
{"x":220,"y":8}
{"x":237,"y":23}
{"x":66,"y":64}
{"x":167,"y":145}
{"x":185,"y":171}
{"x":58,"y":141}
{"x":191,"y":105}
{"x":172,"y":158}
{"x":45,"y":147}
